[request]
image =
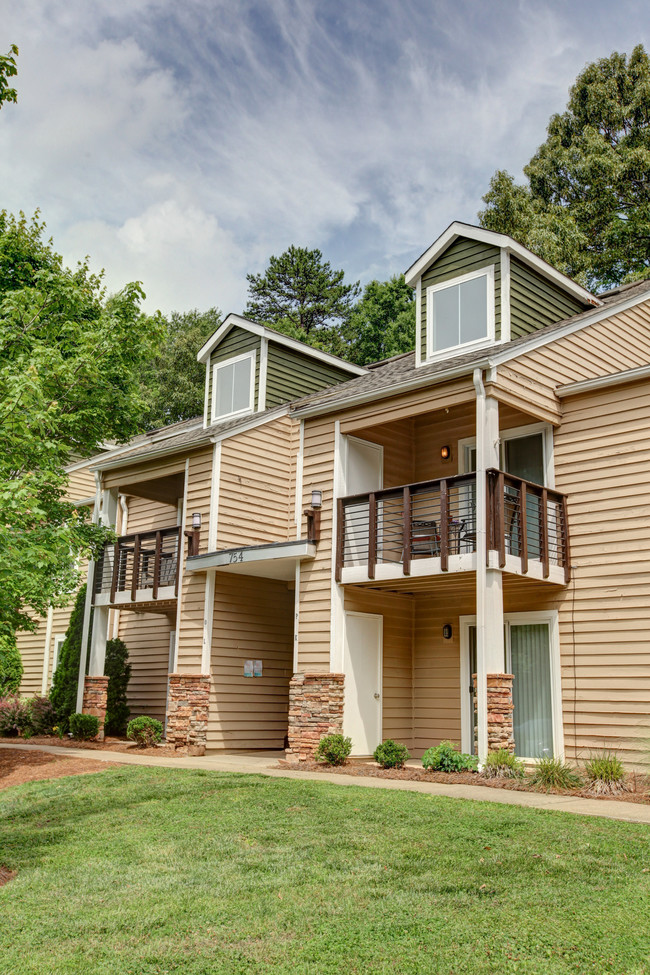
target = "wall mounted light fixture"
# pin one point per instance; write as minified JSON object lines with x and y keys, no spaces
{"x":445,"y":452}
{"x":316,"y":498}
{"x":447,"y":631}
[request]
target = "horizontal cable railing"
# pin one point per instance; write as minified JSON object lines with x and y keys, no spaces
{"x":438,"y":519}
{"x":146,"y":560}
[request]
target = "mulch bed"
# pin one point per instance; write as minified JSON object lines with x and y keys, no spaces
{"x":17,"y":766}
{"x":638,"y":785}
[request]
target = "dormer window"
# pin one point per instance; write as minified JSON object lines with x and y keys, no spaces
{"x":233,"y":387}
{"x":460,"y":313}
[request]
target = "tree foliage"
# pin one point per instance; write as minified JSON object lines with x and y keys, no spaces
{"x":8,"y":69}
{"x":118,"y":670}
{"x":69,"y":363}
{"x":586,"y":205}
{"x":382,"y":323}
{"x":301,"y":295}
{"x":11,"y":665}
{"x":66,"y":676}
{"x":174,"y":382}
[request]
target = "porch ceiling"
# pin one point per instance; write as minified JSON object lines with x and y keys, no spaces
{"x":452,"y":586}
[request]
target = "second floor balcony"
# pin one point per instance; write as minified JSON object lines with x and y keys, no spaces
{"x":430,"y":528}
{"x":139,"y":569}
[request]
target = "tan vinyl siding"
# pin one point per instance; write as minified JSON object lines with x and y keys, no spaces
{"x":291,"y":375}
{"x":190,"y":635}
{"x":535,"y":301}
{"x":406,"y":405}
{"x":199,"y":483}
{"x":460,"y":258}
{"x":81,"y":484}
{"x":147,"y":638}
{"x":147,"y":470}
{"x":620,"y":342}
{"x":237,"y":342}
{"x":316,"y":575}
{"x":144,"y":515}
{"x":32,"y":652}
{"x":397,"y":663}
{"x":253,"y":620}
{"x":256,"y":501}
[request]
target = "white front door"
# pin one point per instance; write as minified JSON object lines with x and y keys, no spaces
{"x":362,"y":689}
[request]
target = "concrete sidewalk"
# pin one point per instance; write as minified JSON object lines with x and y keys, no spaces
{"x":265,"y":763}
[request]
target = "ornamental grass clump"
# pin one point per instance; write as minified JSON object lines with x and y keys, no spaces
{"x":605,"y":774}
{"x":334,"y":750}
{"x":502,"y":764}
{"x":144,"y":731}
{"x":391,"y":754}
{"x":553,"y":773}
{"x":446,"y":757}
{"x":84,"y":727}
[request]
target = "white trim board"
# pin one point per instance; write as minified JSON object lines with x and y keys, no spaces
{"x":488,"y":340}
{"x":604,"y":382}
{"x":226,"y":364}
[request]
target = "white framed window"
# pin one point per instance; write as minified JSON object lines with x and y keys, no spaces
{"x":233,"y":386}
{"x":460,"y":313}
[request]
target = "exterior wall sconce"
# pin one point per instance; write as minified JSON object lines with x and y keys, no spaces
{"x":316,"y":498}
{"x":194,"y":537}
{"x":445,"y":453}
{"x":447,"y":631}
{"x":313,"y":515}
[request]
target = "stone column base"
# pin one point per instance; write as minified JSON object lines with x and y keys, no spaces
{"x":187,"y":711}
{"x":315,"y":710}
{"x":499,"y":711}
{"x":94,"y":700}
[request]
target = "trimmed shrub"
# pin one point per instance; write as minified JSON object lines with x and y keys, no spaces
{"x":118,"y":670}
{"x":553,"y":773}
{"x":14,"y":717}
{"x":11,"y":665}
{"x":390,"y":754}
{"x":334,"y":750}
{"x":502,"y":764}
{"x":144,"y":731}
{"x":42,"y":715}
{"x":605,"y":774}
{"x":84,"y":727}
{"x":66,"y":677}
{"x":446,"y":757}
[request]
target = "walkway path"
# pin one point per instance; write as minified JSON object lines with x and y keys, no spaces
{"x":265,"y":763}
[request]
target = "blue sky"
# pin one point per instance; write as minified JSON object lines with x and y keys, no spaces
{"x":181,"y":144}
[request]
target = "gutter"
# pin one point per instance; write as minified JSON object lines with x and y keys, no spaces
{"x":604,"y":382}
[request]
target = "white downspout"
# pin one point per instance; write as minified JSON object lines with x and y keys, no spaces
{"x":83,"y":656}
{"x":481,"y":566}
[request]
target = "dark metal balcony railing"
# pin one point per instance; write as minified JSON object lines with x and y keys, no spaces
{"x":438,"y":519}
{"x":147,"y":560}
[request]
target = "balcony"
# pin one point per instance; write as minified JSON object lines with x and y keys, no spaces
{"x":429,"y":528}
{"x":139,"y":569}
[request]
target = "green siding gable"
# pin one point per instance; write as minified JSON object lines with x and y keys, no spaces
{"x":237,"y":342}
{"x":463,"y":256}
{"x":291,"y":375}
{"x":535,"y":301}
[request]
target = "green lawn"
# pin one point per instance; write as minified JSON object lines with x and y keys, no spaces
{"x":154,"y":871}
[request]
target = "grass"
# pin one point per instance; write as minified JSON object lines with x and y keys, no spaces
{"x":141,"y":871}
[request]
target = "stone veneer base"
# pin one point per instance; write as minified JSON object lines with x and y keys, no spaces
{"x":499,"y":712}
{"x":315,"y":710}
{"x":187,"y":711}
{"x":94,"y":700}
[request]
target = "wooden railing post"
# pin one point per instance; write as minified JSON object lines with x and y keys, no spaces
{"x":136,"y":567}
{"x":179,"y":558}
{"x":116,"y":569}
{"x":543,"y":532}
{"x":340,"y":537}
{"x":444,"y":526}
{"x":372,"y":535}
{"x":500,"y":518}
{"x":406,"y":532}
{"x":566,"y":547}
{"x":156,"y":565}
{"x":523,"y":527}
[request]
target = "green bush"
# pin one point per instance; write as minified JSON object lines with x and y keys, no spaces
{"x":118,"y":670}
{"x":66,"y":676}
{"x":390,"y":754}
{"x":502,"y":764}
{"x":334,"y":750}
{"x":446,"y":757}
{"x":11,"y":665}
{"x":42,"y":715}
{"x":605,"y":774}
{"x":84,"y":727}
{"x":553,"y":773}
{"x":14,"y":717}
{"x":144,"y":731}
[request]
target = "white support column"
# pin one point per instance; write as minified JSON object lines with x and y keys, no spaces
{"x":214,"y":497}
{"x":337,"y":592}
{"x":296,"y":617}
{"x":180,"y":564}
{"x":46,"y":654}
{"x":101,"y":614}
{"x":90,"y":578}
{"x":489,"y":590}
{"x":208,"y":617}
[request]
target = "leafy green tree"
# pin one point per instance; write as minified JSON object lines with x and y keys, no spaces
{"x":382,"y":323}
{"x":11,"y":665}
{"x":586,"y":205}
{"x":64,"y":681}
{"x":301,"y":295}
{"x":69,"y":363}
{"x":8,"y":69}
{"x":174,"y":381}
{"x":118,"y":670}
